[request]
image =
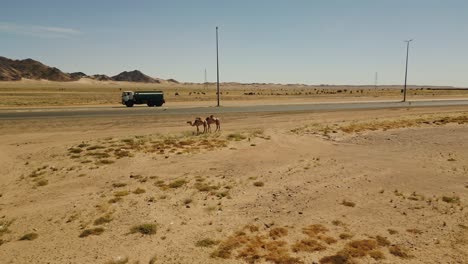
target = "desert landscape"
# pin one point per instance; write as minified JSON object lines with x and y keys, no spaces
{"x":368,"y":186}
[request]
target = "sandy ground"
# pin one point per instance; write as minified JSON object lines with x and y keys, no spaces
{"x":272,"y":188}
{"x":31,"y":93}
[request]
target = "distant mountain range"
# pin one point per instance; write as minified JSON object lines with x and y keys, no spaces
{"x":15,"y":70}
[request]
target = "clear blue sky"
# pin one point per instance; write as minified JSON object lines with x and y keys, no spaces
{"x":313,"y":42}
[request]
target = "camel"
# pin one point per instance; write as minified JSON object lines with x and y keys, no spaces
{"x":213,"y":120}
{"x":198,"y":122}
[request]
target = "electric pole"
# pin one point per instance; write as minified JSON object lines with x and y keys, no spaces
{"x":406,"y":71}
{"x":217,"y":66}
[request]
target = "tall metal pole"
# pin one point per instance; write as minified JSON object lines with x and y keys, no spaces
{"x":406,"y":71}
{"x":217,"y":66}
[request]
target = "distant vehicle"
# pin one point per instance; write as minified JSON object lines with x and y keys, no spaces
{"x":150,"y":98}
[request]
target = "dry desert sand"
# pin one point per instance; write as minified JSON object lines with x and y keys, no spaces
{"x":381,"y":186}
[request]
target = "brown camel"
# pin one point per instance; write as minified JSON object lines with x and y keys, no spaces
{"x":198,"y":122}
{"x":213,"y":120}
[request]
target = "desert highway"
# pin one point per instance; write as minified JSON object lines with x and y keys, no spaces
{"x":114,"y":111}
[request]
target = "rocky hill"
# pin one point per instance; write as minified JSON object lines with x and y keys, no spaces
{"x":15,"y":70}
{"x":11,"y":70}
{"x":134,"y":76}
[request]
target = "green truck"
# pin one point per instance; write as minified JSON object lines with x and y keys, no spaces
{"x":150,"y":98}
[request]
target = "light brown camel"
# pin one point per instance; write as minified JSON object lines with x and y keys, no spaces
{"x":198,"y":122}
{"x":213,"y":120}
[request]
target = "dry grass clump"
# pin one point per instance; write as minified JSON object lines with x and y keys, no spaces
{"x":348,"y":203}
{"x":236,"y":137}
{"x":104,"y":162}
{"x":207,"y":242}
{"x":258,"y":184}
{"x":205,"y":187}
{"x":376,"y":254}
{"x":144,"y":229}
{"x":177,"y":184}
{"x":355,"y":249}
{"x":29,"y":236}
{"x":313,"y":230}
{"x":93,"y":231}
{"x":345,"y":236}
{"x":4,"y":225}
{"x":118,"y":260}
{"x":119,"y":184}
{"x":254,"y":248}
{"x":451,"y":199}
{"x":399,"y":251}
{"x":381,"y":124}
{"x":307,"y":245}
{"x":115,"y":200}
{"x":121,"y":193}
{"x":338,"y":223}
{"x":103,"y":219}
{"x":360,"y":248}
{"x":336,"y":259}
{"x":278,"y":232}
{"x":327,"y":239}
{"x":414,"y":231}
{"x":139,"y":191}
{"x":382,"y":241}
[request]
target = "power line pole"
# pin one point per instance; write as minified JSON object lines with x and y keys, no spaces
{"x":217,"y":66}
{"x":406,"y":71}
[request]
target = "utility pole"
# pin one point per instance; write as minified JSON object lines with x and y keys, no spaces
{"x":406,"y":71}
{"x":217,"y":66}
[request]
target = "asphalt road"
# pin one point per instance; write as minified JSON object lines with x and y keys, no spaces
{"x":40,"y":113}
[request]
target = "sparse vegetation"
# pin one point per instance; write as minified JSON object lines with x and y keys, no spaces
{"x":399,"y":251}
{"x":144,"y":229}
{"x":92,"y":232}
{"x":103,"y":219}
{"x":118,"y":260}
{"x":29,"y":236}
{"x":119,"y":184}
{"x":308,"y":245}
{"x":414,"y":231}
{"x":42,"y":182}
{"x":139,"y":191}
{"x":345,"y":236}
{"x":451,"y":199}
{"x":177,"y":184}
{"x":278,"y":232}
{"x":348,"y":203}
{"x":207,"y":242}
{"x":236,"y":136}
{"x":121,"y":193}
{"x":258,"y":184}
{"x":115,"y":200}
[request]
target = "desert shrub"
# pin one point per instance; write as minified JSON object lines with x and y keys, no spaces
{"x":144,"y":229}
{"x":93,"y":231}
{"x":29,"y":236}
{"x":207,"y":242}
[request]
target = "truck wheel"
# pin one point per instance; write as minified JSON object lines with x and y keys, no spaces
{"x":158,"y":105}
{"x":129,"y":104}
{"x":150,"y":104}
